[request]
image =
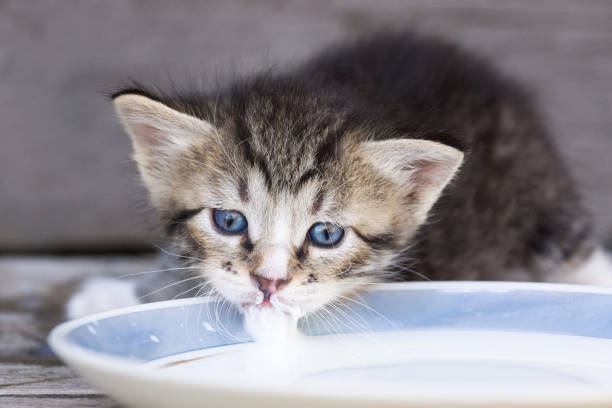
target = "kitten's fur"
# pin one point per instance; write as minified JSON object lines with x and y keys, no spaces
{"x":366,"y":136}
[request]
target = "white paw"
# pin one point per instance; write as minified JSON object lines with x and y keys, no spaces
{"x":596,"y":270}
{"x":101,"y":294}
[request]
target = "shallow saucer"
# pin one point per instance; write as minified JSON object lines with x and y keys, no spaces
{"x":431,"y":344}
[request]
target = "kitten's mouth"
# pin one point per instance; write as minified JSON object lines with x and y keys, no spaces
{"x":264,"y":304}
{"x":272,"y":302}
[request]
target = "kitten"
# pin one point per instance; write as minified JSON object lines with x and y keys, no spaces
{"x":397,"y":157}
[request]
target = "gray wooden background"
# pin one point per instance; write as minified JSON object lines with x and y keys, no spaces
{"x":66,"y":182}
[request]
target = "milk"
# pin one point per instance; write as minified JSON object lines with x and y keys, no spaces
{"x":395,"y":359}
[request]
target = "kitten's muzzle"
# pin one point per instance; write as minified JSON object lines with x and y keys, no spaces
{"x":269,"y":286}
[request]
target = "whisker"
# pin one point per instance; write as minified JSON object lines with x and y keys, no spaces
{"x":157,"y":271}
{"x":406,"y":269}
{"x":188,"y":290}
{"x":335,"y":314}
{"x":342,"y":323}
{"x":361,"y":327}
{"x":370,"y":309}
{"x":170,"y":285}
{"x":203,"y":307}
{"x":341,"y":272}
{"x":358,"y":283}
{"x":177,"y":255}
{"x":320,"y":320}
{"x":220,"y":324}
{"x":326,"y":316}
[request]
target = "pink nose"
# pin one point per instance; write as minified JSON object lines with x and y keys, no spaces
{"x":269,"y":286}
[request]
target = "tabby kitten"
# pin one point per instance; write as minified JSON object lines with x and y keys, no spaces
{"x":397,"y":157}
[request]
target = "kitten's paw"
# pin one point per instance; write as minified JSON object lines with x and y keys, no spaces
{"x":595,"y":270}
{"x":101,"y":294}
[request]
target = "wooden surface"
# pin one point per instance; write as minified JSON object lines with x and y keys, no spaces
{"x":32,"y":292}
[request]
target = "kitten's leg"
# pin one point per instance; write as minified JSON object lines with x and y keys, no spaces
{"x":101,"y":294}
{"x":594,"y":270}
{"x":167,"y":282}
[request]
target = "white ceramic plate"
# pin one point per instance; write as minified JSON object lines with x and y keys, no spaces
{"x":433,"y":344}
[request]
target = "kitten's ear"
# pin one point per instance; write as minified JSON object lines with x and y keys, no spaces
{"x":158,"y":131}
{"x":159,"y":135}
{"x":422,"y":168}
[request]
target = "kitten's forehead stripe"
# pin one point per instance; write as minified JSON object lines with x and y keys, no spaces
{"x":262,"y":165}
{"x":327,"y":150}
{"x":304,"y":178}
{"x":243,"y":137}
{"x":243,"y":190}
{"x":318,"y":202}
{"x":282,"y":131}
{"x":245,"y":140}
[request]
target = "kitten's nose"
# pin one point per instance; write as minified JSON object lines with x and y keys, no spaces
{"x":269,"y":286}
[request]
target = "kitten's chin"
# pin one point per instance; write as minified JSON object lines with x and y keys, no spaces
{"x":271,"y":321}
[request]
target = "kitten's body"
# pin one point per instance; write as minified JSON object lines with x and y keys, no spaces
{"x":334,"y":140}
{"x":513,"y":212}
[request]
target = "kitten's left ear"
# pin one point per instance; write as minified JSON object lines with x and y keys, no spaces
{"x":422,"y":168}
{"x":157,"y":129}
{"x":159,"y":135}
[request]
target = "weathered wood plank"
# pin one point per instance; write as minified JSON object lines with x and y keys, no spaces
{"x":34,"y":291}
{"x":34,"y":277}
{"x":59,"y":401}
{"x":32,"y":296}
{"x":24,"y":385}
{"x":27,"y":379}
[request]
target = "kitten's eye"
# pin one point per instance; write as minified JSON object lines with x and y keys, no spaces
{"x":231,"y":222}
{"x":325,"y":234}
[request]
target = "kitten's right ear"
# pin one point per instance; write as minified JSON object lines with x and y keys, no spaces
{"x":421,"y":167}
{"x":157,"y":131}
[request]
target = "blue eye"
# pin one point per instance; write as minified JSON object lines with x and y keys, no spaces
{"x":325,"y":234}
{"x":231,"y":222}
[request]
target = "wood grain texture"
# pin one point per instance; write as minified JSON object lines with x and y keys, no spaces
{"x":56,"y":401}
{"x":32,"y":295}
{"x":28,"y":379}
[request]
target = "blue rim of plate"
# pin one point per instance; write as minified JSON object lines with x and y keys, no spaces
{"x":78,"y":356}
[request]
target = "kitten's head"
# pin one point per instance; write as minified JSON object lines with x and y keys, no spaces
{"x":279,"y":199}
